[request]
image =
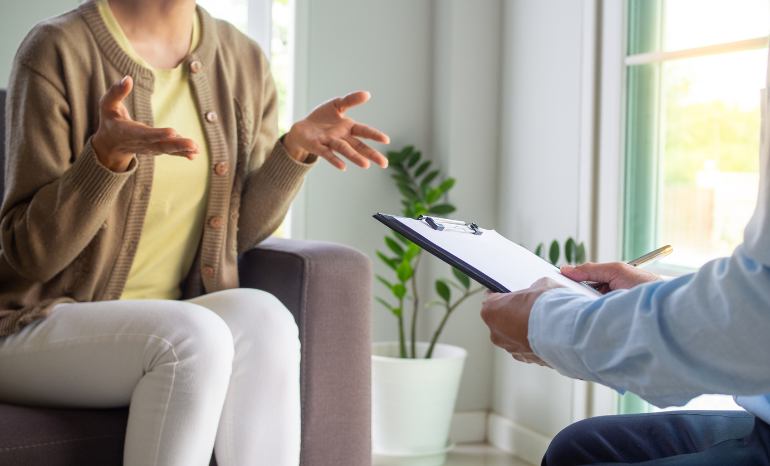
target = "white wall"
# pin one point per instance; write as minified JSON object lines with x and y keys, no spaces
{"x":433,"y":70}
{"x":16,"y":19}
{"x":539,"y":185}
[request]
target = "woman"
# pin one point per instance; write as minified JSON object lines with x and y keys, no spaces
{"x":143,"y":157}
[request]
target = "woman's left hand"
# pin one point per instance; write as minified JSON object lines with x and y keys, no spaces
{"x":327,"y":130}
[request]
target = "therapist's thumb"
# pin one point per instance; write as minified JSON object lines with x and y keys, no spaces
{"x":600,"y":273}
{"x":618,"y":275}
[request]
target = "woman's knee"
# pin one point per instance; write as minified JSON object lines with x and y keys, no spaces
{"x":257,"y":311}
{"x":197,"y":333}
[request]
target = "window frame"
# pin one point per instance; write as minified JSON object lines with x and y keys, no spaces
{"x":612,"y":219}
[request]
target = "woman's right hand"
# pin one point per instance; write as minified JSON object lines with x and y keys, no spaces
{"x":609,"y":276}
{"x":119,"y":137}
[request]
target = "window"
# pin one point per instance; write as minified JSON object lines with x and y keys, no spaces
{"x":268,"y":22}
{"x":694,"y":73}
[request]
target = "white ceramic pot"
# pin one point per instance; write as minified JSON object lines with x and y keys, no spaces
{"x":412,"y":403}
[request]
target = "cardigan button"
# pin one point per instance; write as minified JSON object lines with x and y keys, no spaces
{"x":211,"y":117}
{"x":215,"y":222}
{"x":208,"y":271}
{"x":221,"y":168}
{"x":195,"y":66}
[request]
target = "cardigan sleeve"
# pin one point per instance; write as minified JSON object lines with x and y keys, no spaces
{"x":269,"y":187}
{"x":55,"y":201}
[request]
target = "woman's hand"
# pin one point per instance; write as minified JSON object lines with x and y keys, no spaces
{"x":326,"y":130}
{"x":119,"y":137}
{"x":609,"y":276}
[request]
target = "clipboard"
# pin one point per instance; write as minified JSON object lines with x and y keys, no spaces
{"x":483,"y":255}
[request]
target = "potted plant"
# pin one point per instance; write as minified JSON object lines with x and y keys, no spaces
{"x":415,"y":384}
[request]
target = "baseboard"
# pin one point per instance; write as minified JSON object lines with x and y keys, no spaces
{"x":469,"y":427}
{"x":516,"y":439}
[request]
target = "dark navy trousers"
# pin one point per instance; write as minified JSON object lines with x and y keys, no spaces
{"x":679,"y":438}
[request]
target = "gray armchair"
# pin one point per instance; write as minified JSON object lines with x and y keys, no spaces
{"x":326,"y":286}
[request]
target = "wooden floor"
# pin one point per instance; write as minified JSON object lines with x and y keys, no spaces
{"x":481,"y":455}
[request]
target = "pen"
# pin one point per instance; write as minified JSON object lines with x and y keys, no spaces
{"x":651,"y":257}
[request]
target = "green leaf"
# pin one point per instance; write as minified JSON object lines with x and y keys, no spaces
{"x":462,"y":278}
{"x":401,"y":178}
{"x":420,"y":209}
{"x":394,"y":246}
{"x":452,"y":284}
{"x":399,"y":168}
{"x":569,"y":250}
{"x":408,"y":192}
{"x":404,"y":271}
{"x":384,"y":282}
{"x":401,"y":238}
{"x":412,"y":252}
{"x":384,"y":303}
{"x":413,"y":159}
{"x":406,"y":151}
{"x":422,"y":168}
{"x":434,"y":303}
{"x":580,"y":257}
{"x":396,"y":312}
{"x":387,"y":260}
{"x":433,"y":196}
{"x":443,"y":290}
{"x":554,"y":252}
{"x":408,"y":212}
{"x":442,"y":209}
{"x":398,"y":290}
{"x":539,"y":250}
{"x":446,"y":185}
{"x":428,"y":178}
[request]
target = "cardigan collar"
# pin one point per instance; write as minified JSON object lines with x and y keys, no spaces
{"x":143,"y":77}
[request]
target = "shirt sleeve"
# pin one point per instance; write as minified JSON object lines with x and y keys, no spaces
{"x":668,"y":342}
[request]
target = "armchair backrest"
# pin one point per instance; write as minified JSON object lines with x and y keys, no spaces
{"x":2,"y":143}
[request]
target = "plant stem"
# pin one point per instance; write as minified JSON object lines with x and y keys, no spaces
{"x":416,"y":302}
{"x":401,"y":341}
{"x":449,"y":310}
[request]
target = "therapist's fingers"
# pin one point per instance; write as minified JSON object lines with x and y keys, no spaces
{"x":617,"y":275}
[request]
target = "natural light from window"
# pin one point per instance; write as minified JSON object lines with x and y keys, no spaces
{"x":710,"y":128}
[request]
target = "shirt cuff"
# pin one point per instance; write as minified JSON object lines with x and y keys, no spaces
{"x":551,"y":331}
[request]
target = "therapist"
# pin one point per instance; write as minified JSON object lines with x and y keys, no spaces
{"x":667,"y":341}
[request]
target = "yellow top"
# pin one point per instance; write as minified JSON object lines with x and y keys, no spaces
{"x":174,"y":222}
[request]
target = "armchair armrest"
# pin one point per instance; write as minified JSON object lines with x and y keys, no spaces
{"x":328,"y":288}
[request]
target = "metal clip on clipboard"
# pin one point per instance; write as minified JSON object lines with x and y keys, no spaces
{"x":442,"y":224}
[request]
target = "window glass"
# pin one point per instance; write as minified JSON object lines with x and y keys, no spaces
{"x":710,"y":153}
{"x":233,"y":11}
{"x":696,"y":23}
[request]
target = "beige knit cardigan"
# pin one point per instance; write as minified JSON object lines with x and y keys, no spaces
{"x":69,"y":227}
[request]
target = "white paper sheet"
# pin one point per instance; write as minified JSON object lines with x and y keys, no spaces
{"x":501,"y":260}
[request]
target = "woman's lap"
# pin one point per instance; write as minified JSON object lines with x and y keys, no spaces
{"x":672,"y":438}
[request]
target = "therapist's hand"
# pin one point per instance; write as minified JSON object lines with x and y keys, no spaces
{"x":507,"y":316}
{"x":609,"y":276}
{"x":327,"y":130}
{"x":119,"y":137}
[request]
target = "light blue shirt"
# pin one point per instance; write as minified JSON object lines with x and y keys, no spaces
{"x":668,"y":342}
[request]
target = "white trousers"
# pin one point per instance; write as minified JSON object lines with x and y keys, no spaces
{"x":220,"y":371}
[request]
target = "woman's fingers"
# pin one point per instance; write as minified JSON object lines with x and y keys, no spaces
{"x":342,"y":147}
{"x":367,"y":152}
{"x":351,"y":100}
{"x":112,"y":99}
{"x":367,"y":132}
{"x":326,"y":153}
